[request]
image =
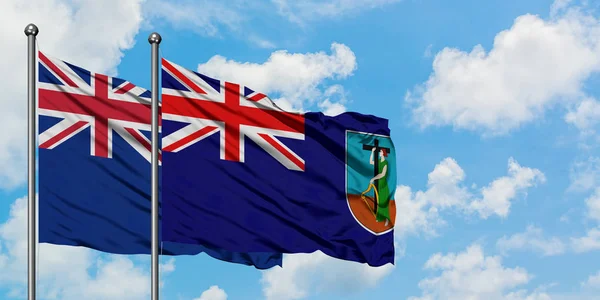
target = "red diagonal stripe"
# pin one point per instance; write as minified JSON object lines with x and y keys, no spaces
{"x":142,"y":141}
{"x":189,"y":138}
{"x":55,"y":139}
{"x":182,"y":77}
{"x":257,"y":97}
{"x":281,"y":149}
{"x":125,"y":89}
{"x":56,"y":70}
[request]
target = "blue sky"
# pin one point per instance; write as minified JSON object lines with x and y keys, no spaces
{"x":493,"y":112}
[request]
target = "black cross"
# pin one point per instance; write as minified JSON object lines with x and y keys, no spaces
{"x":375,"y":164}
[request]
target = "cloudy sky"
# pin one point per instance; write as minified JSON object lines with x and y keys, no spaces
{"x":493,"y":107}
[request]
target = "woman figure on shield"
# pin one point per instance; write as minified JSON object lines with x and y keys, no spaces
{"x":383,"y":191}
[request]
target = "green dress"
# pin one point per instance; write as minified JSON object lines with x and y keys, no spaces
{"x":383,"y":205}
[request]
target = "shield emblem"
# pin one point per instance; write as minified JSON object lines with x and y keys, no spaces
{"x":371,"y":180}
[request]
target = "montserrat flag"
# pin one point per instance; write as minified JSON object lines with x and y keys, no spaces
{"x":241,"y":174}
{"x":94,"y":166}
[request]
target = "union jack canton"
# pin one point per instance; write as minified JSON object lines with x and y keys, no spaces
{"x":90,"y":100}
{"x":209,"y":106}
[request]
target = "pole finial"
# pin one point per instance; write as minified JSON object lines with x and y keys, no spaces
{"x":31,"y":29}
{"x":154,"y":38}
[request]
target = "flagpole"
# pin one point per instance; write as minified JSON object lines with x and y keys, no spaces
{"x":31,"y":32}
{"x":154,"y":39}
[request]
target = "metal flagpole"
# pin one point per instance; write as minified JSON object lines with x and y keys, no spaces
{"x":154,"y":39}
{"x":31,"y":32}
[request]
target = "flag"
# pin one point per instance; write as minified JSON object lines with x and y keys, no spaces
{"x":242,"y":174}
{"x":94,"y":166}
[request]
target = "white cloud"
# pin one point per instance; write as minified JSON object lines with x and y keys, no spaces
{"x":593,"y":205}
{"x":591,"y":241}
{"x":532,"y":239}
{"x":593,"y":282}
{"x":496,"y":196}
{"x":444,"y":184}
{"x":585,"y":175}
{"x":566,"y":217}
{"x":559,"y":6}
{"x":316,"y":272}
{"x":92,"y":34}
{"x":204,"y":17}
{"x":472,"y":275}
{"x":415,"y":214}
{"x":587,"y":243}
{"x":331,"y":108}
{"x":261,"y":42}
{"x":216,"y":19}
{"x":301,"y":11}
{"x":296,"y":77}
{"x":334,"y":103}
{"x":213,"y":293}
{"x":585,"y":116}
{"x":117,"y":279}
{"x":420,"y":211}
{"x":167,"y":267}
{"x":67,"y":272}
{"x":525,"y":295}
{"x":534,"y":65}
